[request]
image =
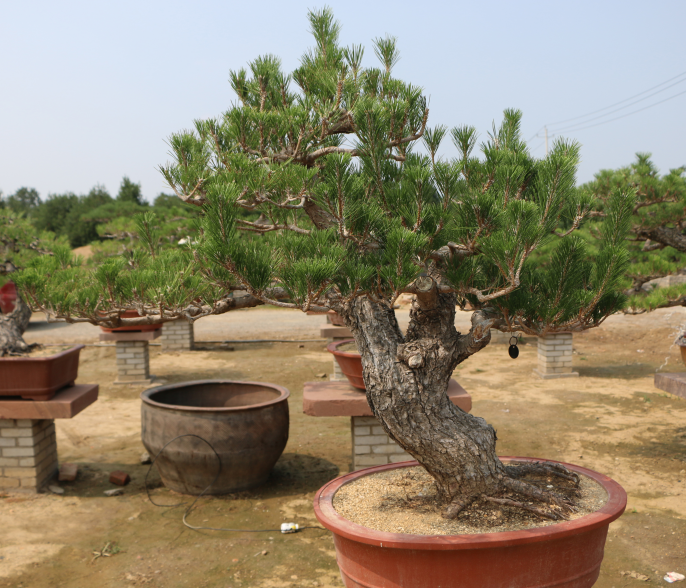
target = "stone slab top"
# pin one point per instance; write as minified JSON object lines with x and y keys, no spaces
{"x":341,"y":399}
{"x":673,"y":383}
{"x":333,"y":332}
{"x":67,"y":403}
{"x":131,"y":335}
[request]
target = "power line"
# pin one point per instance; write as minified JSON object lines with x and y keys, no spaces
{"x":621,"y":101}
{"x":625,"y":106}
{"x":537,"y":146}
{"x":572,"y":129}
{"x":536,"y":134}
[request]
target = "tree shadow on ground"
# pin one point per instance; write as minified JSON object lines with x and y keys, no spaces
{"x":623,"y":371}
{"x":293,"y":474}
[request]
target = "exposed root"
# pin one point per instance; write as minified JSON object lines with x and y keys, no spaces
{"x":556,"y":516}
{"x":542,"y":468}
{"x":457,"y":506}
{"x":510,"y":483}
{"x":537,"y":494}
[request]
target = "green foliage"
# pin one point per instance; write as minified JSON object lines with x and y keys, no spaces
{"x":68,"y":215}
{"x":21,"y":242}
{"x":23,"y":202}
{"x":310,"y":191}
{"x":62,"y":285}
{"x":657,"y":246}
{"x":130,"y":192}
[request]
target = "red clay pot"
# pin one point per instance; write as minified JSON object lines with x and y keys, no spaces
{"x":137,"y":328}
{"x":8,"y":297}
{"x":350,"y":363}
{"x":38,"y":378}
{"x":564,"y":555}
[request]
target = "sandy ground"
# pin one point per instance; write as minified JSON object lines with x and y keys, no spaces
{"x":610,"y":419}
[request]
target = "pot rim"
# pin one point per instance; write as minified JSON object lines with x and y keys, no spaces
{"x":333,"y":348}
{"x":327,"y":516}
{"x":145,"y":396}
{"x":78,"y":347}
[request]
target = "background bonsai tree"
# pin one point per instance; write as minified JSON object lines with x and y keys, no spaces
{"x":351,"y":217}
{"x":20,"y":243}
{"x":657,"y":237}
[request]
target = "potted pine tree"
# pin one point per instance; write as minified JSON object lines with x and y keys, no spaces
{"x":351,"y":217}
{"x":35,"y":378}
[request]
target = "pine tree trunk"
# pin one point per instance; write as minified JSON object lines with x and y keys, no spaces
{"x":12,"y":327}
{"x":407,"y":380}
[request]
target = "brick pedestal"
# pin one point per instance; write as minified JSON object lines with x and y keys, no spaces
{"x":28,"y":446}
{"x":370,"y":444}
{"x":133,"y":362}
{"x":555,"y":356}
{"x":177,"y":336}
{"x":133,"y":355}
{"x":28,"y":454}
{"x":500,"y":338}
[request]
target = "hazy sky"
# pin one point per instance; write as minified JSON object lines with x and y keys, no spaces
{"x":89,"y":91}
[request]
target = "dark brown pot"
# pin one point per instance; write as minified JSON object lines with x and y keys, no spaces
{"x":137,"y":328}
{"x":245,"y":422}
{"x":38,"y":378}
{"x":350,"y":363}
{"x":564,"y":555}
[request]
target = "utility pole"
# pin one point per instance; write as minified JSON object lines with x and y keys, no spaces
{"x":546,"y":141}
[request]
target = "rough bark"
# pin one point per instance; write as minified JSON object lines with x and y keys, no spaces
{"x":671,"y":237}
{"x":407,"y":379}
{"x":12,"y":327}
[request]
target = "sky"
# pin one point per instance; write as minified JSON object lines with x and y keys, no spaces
{"x":91,"y":91}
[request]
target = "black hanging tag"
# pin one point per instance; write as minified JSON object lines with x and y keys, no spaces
{"x":513,"y":350}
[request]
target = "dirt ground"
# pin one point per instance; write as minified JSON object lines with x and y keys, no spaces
{"x":610,"y":419}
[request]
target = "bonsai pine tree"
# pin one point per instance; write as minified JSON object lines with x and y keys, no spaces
{"x":657,"y":238}
{"x":20,"y":242}
{"x":351,"y":215}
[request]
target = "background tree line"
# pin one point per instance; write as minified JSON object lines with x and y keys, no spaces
{"x":95,"y":217}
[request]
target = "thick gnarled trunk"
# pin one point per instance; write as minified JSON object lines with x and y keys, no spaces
{"x":407,"y":380}
{"x":12,"y":327}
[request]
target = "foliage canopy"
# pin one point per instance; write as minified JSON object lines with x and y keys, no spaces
{"x":342,"y":204}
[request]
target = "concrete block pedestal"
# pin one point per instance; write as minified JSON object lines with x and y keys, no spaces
{"x":133,"y":355}
{"x":555,"y":356}
{"x":370,"y":443}
{"x":177,"y":335}
{"x":334,"y":333}
{"x":28,"y":446}
{"x":674,"y":383}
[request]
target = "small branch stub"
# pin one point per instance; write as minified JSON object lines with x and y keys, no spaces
{"x":426,"y":292}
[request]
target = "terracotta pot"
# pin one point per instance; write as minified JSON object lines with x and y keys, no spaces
{"x":683,"y":355}
{"x":137,"y":328}
{"x":245,"y":422}
{"x":350,"y":363}
{"x":336,"y":319}
{"x":564,"y":555}
{"x":8,"y":296}
{"x":38,"y":378}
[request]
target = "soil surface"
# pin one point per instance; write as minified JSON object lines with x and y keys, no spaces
{"x":406,"y":501}
{"x":611,"y":419}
